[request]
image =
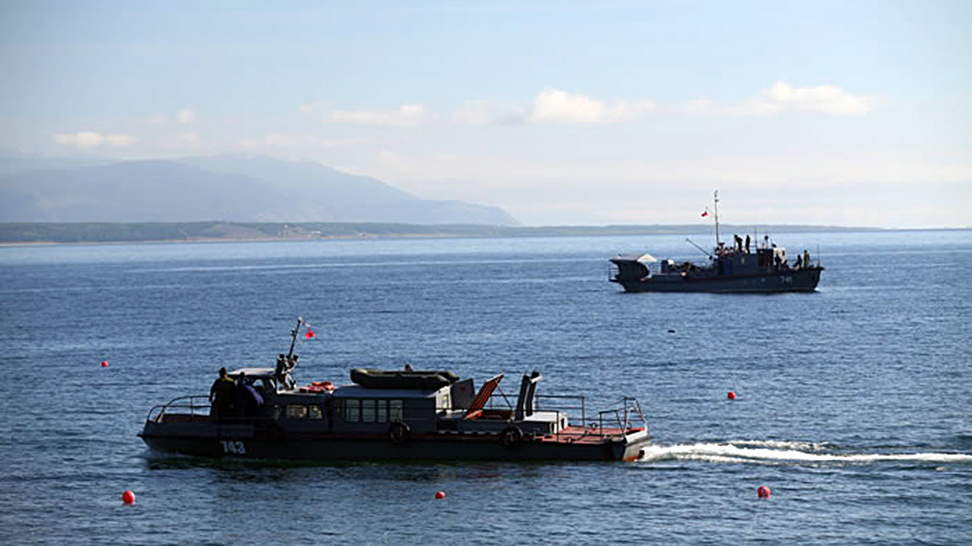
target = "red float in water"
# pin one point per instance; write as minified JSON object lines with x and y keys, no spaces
{"x":104,"y":363}
{"x":128,"y":497}
{"x":763,"y":492}
{"x":440,"y":495}
{"x":731,"y":395}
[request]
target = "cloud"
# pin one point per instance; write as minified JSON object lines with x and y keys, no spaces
{"x":701,"y":107}
{"x":278,"y":141}
{"x":408,"y":114}
{"x":87,"y":139}
{"x":783,"y":97}
{"x":185,"y":141}
{"x":156,"y":119}
{"x":186,"y":116}
{"x":555,"y":106}
{"x":552,"y":106}
{"x":481,"y":112}
{"x":310,"y":106}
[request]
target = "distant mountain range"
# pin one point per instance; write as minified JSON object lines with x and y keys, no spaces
{"x":229,"y":188}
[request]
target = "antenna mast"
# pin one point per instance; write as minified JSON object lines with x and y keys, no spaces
{"x":293,"y":336}
{"x":715,"y":201}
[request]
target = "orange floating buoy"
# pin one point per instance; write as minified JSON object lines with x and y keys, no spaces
{"x":440,"y":495}
{"x":763,"y":492}
{"x":128,"y":497}
{"x":104,"y":363}
{"x":731,"y":395}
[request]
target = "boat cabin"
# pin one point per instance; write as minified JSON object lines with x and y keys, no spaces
{"x":378,"y":399}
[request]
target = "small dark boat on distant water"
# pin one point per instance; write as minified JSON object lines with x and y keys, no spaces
{"x":389,"y":414}
{"x":730,"y":269}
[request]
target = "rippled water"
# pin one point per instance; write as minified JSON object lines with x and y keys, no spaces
{"x":852,"y":402}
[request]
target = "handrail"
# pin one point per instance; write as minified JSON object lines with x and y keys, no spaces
{"x":629,"y":408}
{"x":581,"y":399}
{"x":198,"y":405}
{"x":180,"y":403}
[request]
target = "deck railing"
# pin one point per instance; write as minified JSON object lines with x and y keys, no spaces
{"x":615,"y":421}
{"x":623,"y":416}
{"x":579,"y":401}
{"x":192,"y":405}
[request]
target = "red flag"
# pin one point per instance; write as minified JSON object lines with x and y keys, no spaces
{"x":309,"y":334}
{"x":705,"y":213}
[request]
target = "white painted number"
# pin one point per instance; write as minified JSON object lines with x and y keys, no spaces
{"x":236,"y":448}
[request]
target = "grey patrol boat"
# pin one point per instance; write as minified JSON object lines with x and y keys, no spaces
{"x":730,"y":269}
{"x":391,"y":414}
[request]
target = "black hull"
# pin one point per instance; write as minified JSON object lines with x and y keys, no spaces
{"x":432,"y":447}
{"x":794,"y":280}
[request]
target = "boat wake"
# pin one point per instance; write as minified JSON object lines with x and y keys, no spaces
{"x":782,"y":452}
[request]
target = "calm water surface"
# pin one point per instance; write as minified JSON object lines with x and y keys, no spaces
{"x":853,"y":402}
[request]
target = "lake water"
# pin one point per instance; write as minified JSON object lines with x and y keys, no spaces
{"x":853,"y":402}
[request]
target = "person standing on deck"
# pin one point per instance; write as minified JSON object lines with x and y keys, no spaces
{"x":221,"y":396}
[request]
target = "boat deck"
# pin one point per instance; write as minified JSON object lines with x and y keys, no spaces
{"x":585,"y":435}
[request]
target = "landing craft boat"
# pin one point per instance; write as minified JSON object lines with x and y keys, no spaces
{"x":730,"y":269}
{"x":391,"y":414}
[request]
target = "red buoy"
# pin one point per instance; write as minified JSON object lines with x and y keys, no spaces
{"x":763,"y":492}
{"x":440,"y":495}
{"x":104,"y":363}
{"x":731,"y":395}
{"x":128,"y":497}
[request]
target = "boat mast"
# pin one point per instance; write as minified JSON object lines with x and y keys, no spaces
{"x":293,"y":337}
{"x":715,"y":200}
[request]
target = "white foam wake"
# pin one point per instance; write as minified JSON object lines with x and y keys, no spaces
{"x":782,"y":452}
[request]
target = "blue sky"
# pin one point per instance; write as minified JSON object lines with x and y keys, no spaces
{"x":852,"y":113}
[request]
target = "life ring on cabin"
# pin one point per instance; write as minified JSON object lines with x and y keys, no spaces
{"x":511,"y":437}
{"x":399,"y":433}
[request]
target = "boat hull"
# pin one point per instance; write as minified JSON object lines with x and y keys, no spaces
{"x":245,"y":442}
{"x":794,"y":280}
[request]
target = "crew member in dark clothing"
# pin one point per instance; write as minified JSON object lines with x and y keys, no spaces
{"x":221,"y":396}
{"x":747,"y":244}
{"x":248,"y":400}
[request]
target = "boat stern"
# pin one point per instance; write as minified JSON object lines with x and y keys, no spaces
{"x":632,"y":446}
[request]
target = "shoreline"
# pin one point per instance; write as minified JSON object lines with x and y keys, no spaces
{"x":20,"y":234}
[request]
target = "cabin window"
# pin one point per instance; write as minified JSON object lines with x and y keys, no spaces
{"x":296,"y":412}
{"x":382,"y":410}
{"x":314,"y":412}
{"x":394,"y":410}
{"x":352,"y":411}
{"x":368,"y":411}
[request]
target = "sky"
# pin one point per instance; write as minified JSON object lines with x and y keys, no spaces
{"x":587,"y":113}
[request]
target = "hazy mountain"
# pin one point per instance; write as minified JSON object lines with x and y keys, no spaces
{"x":11,"y":163}
{"x":238,"y":188}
